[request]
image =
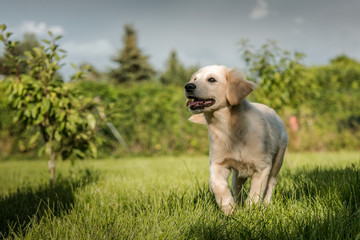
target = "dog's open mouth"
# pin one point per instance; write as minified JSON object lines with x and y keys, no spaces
{"x":197,"y":103}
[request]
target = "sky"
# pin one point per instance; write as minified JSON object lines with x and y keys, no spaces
{"x":202,"y":32}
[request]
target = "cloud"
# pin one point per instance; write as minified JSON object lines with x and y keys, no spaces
{"x":98,"y":47}
{"x":97,"y":53}
{"x":261,"y":10}
{"x":40,"y":29}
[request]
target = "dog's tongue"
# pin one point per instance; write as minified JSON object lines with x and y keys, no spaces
{"x":199,"y":102}
{"x":195,"y":103}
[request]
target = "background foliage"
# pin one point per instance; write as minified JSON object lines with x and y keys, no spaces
{"x":151,"y":117}
{"x":150,"y":113}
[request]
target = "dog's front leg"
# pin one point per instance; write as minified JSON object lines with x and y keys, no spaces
{"x":219,"y":186}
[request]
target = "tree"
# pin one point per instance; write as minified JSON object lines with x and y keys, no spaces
{"x":134,"y":65}
{"x":338,"y":85}
{"x":344,"y":59}
{"x":91,"y":73}
{"x":64,"y":121}
{"x":280,"y":75}
{"x":175,"y":72}
{"x":29,"y":42}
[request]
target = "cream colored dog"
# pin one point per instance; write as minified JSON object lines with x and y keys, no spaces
{"x":248,"y":138}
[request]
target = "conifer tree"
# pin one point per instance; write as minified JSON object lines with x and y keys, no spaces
{"x":175,"y":72}
{"x":134,"y":65}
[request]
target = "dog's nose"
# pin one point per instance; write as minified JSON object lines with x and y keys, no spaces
{"x":189,"y":87}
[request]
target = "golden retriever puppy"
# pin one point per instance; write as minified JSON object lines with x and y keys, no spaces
{"x":248,"y":138}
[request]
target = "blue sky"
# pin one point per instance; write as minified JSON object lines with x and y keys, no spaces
{"x":202,"y":32}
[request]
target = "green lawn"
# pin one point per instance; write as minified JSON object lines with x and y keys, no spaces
{"x":317,"y":197}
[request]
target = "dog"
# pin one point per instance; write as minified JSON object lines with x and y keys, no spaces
{"x":248,"y":138}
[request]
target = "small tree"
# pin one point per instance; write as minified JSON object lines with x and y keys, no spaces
{"x":29,"y":42}
{"x":134,"y":65}
{"x":63,"y":120}
{"x":279,"y":74}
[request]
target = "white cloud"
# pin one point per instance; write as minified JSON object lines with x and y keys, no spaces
{"x":57,"y":30}
{"x":98,"y":47}
{"x":261,"y":10}
{"x":40,"y":29}
{"x":97,"y":53}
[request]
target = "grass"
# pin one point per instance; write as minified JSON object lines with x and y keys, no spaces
{"x":317,"y":197}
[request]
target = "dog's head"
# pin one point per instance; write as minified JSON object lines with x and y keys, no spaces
{"x":214,"y":87}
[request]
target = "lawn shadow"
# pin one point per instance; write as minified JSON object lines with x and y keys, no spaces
{"x":337,"y":191}
{"x":331,"y":199}
{"x":324,"y":183}
{"x":20,"y":208}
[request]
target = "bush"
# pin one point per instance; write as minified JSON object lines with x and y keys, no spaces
{"x":152,"y":118}
{"x":330,"y":116}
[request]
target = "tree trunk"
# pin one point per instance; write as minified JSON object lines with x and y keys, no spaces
{"x":52,"y":168}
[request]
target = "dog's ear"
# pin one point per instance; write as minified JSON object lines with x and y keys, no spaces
{"x":237,"y":86}
{"x":198,"y":118}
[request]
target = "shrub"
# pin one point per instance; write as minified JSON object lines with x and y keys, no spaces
{"x":152,"y":118}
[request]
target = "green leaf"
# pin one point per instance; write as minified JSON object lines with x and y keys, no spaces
{"x":34,"y":138}
{"x":27,"y":113}
{"x":48,"y":148}
{"x":50,"y":33}
{"x":58,"y":37}
{"x":46,"y":41}
{"x":41,"y":151}
{"x":70,"y":126}
{"x":74,"y":66}
{"x":93,"y":149}
{"x":28,"y":54}
{"x":62,"y":115}
{"x":39,"y":119}
{"x":20,"y":88}
{"x":91,"y":121}
{"x":37,"y":51}
{"x":78,"y":153}
{"x":57,"y":136}
{"x":15,"y":119}
{"x":34,"y":112}
{"x":3,"y":27}
{"x":86,"y":67}
{"x":62,"y":126}
{"x":83,"y":136}
{"x":45,"y":106}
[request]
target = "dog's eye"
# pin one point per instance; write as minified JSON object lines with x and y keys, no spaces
{"x":211,"y":80}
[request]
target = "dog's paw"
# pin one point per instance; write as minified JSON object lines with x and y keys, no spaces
{"x":228,"y":209}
